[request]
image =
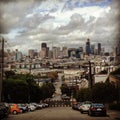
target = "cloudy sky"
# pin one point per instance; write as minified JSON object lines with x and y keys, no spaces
{"x":26,"y":24}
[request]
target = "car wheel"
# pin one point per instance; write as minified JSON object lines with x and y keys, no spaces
{"x":90,"y":113}
{"x":21,"y":111}
{"x":81,"y":112}
{"x":14,"y":112}
{"x":29,"y":110}
{"x":104,"y":114}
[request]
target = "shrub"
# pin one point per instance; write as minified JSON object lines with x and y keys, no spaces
{"x":114,"y":106}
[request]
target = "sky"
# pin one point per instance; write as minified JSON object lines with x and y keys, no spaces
{"x":26,"y":24}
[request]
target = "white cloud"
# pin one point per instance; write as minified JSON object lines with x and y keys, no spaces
{"x":59,"y":21}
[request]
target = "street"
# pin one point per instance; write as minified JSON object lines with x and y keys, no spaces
{"x":57,"y":95}
{"x":61,"y":113}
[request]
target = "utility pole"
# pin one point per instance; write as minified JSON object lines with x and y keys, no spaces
{"x":30,"y":67}
{"x":90,"y":76}
{"x":1,"y":65}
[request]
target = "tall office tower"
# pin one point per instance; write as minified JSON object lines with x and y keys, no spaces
{"x":56,"y":52}
{"x":43,"y":54}
{"x":72,"y":52}
{"x":50,"y":54}
{"x":96,"y":52}
{"x":44,"y":50}
{"x":35,"y":53}
{"x":102,"y":51}
{"x":65,"y":52}
{"x":47,"y":51}
{"x":88,"y":49}
{"x":18,"y":56}
{"x":93,"y":49}
{"x":99,"y":48}
{"x":43,"y":45}
{"x":31,"y":53}
{"x":81,"y":49}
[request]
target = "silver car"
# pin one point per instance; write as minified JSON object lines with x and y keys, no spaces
{"x":31,"y":107}
{"x":84,"y":106}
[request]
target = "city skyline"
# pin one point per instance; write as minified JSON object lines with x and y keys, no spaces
{"x":62,"y":23}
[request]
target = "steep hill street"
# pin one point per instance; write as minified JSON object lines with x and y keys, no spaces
{"x":61,"y":113}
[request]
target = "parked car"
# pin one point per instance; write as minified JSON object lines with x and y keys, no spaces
{"x":14,"y":109}
{"x":44,"y":105}
{"x":7,"y":109}
{"x":84,"y":106}
{"x":65,"y":97}
{"x":4,"y":110}
{"x":75,"y":106}
{"x":31,"y":107}
{"x":97,"y":109}
{"x":38,"y":106}
{"x":23,"y":107}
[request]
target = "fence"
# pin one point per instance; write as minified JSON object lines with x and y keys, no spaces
{"x":59,"y":103}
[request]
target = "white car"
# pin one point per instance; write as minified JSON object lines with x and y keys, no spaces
{"x":31,"y":107}
{"x":44,"y":105}
{"x":38,"y":106}
{"x":84,"y":107}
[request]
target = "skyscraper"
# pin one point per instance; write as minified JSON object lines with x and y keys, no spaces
{"x":43,"y":45}
{"x":99,"y":48}
{"x":56,"y":52}
{"x":31,"y":53}
{"x":88,"y":48}
{"x":65,"y":52}
{"x":18,"y":55}
{"x":93,"y":49}
{"x":44,"y":50}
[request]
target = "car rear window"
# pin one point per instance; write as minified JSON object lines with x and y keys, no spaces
{"x":98,"y":105}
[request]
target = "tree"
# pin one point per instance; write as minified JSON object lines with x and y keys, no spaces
{"x":104,"y":92}
{"x":23,"y":88}
{"x":84,"y":94}
{"x":65,"y":90}
{"x":9,"y":74}
{"x":47,"y":90}
{"x":15,"y":91}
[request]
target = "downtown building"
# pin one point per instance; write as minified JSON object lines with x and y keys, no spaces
{"x":99,"y":48}
{"x":32,"y":53}
{"x":44,"y":53}
{"x":88,"y":47}
{"x":56,"y":52}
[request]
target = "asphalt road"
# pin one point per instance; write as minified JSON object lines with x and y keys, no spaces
{"x":61,"y":113}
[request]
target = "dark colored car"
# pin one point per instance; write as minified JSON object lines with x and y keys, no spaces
{"x":97,"y":109}
{"x":4,"y":110}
